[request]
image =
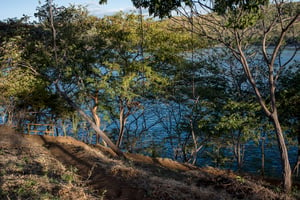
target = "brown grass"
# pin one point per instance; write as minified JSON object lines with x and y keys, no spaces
{"x":45,"y":167}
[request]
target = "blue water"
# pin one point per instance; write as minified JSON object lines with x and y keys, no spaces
{"x":157,"y":140}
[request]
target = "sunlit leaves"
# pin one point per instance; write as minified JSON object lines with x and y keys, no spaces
{"x":240,"y":116}
{"x":18,"y":81}
{"x":166,"y":41}
{"x":11,"y":51}
{"x":135,"y":72}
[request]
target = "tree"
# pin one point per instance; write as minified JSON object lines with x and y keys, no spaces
{"x":240,"y":124}
{"x":139,"y":52}
{"x":289,"y":99}
{"x":234,"y":27}
{"x":25,"y":95}
{"x":100,"y":65}
{"x":69,"y":33}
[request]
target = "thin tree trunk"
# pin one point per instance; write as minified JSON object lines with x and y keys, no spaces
{"x":100,"y":133}
{"x":239,"y":156}
{"x":10,"y":118}
{"x":263,"y":157}
{"x":238,"y":151}
{"x":272,"y":114}
{"x":296,"y":167}
{"x":91,"y":122}
{"x":194,"y":151}
{"x":122,"y":124}
{"x":96,"y":120}
{"x":287,"y":173}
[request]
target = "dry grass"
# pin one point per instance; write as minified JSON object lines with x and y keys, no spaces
{"x":28,"y":171}
{"x":32,"y":167}
{"x":24,"y":176}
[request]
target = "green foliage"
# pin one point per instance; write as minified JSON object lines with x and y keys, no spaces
{"x":129,"y":74}
{"x":289,"y":99}
{"x":160,"y":8}
{"x":240,"y":116}
{"x":26,"y":190}
{"x":241,"y":14}
{"x":165,"y":41}
{"x":217,"y":155}
{"x":22,"y":80}
{"x":95,"y":58}
{"x":240,"y":179}
{"x":224,"y":6}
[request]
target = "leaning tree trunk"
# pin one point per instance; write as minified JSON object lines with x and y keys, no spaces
{"x":272,"y":114}
{"x":287,"y":173}
{"x":90,"y":121}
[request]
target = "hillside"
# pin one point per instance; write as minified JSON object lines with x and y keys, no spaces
{"x":46,"y":167}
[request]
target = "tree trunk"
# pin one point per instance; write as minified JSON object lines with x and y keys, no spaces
{"x":96,"y":121}
{"x":263,"y":157}
{"x":273,"y":115}
{"x":96,"y":118}
{"x":239,"y":156}
{"x":90,"y":121}
{"x":296,"y":167}
{"x":287,"y":173}
{"x":122,"y":125}
{"x":69,"y":101}
{"x":194,"y":151}
{"x":237,"y":150}
{"x":121,"y":132}
{"x":10,"y":117}
{"x":100,"y":133}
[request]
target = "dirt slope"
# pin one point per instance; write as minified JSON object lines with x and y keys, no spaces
{"x":92,"y":166}
{"x":74,"y":170}
{"x":29,"y":171}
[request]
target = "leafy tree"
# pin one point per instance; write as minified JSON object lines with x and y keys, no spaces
{"x":25,"y":94}
{"x":127,"y":75}
{"x":71,"y":54}
{"x":240,"y":124}
{"x":96,"y":63}
{"x":48,"y":64}
{"x":234,"y":27}
{"x":139,"y":54}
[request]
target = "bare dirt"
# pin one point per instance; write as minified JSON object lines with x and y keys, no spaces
{"x":64,"y":168}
